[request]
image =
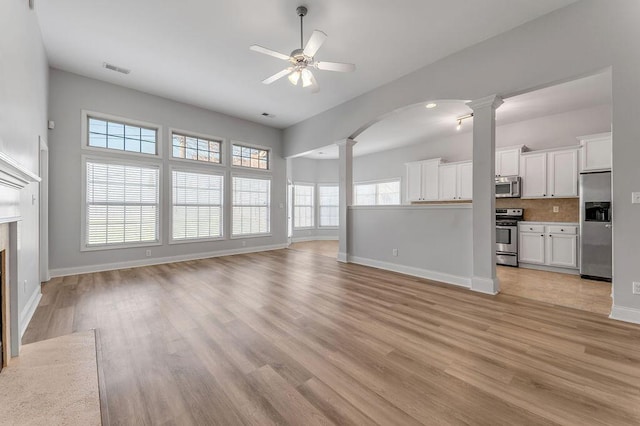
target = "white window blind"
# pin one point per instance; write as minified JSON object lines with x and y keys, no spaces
{"x":122,"y":204}
{"x":303,"y":206}
{"x":197,"y":205}
{"x":251,"y":206}
{"x":328,"y":203}
{"x":377,"y":193}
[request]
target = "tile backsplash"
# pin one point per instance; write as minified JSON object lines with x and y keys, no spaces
{"x":541,"y":210}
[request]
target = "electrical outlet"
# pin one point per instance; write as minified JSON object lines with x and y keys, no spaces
{"x":636,"y":288}
{"x":635,"y":198}
{"x":556,"y":209}
{"x":395,"y":252}
{"x":148,"y":253}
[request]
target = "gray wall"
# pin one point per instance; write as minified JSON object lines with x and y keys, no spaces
{"x":69,"y":94}
{"x":434,"y":242}
{"x":583,"y":38}
{"x":23,"y":118}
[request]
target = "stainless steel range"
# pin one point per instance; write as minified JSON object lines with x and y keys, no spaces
{"x":507,"y":236}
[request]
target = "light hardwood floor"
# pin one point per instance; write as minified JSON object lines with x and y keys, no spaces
{"x":291,"y":337}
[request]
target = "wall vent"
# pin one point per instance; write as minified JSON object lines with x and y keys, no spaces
{"x":115,"y":68}
{"x":266,"y":114}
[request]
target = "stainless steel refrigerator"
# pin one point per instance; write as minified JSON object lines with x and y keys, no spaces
{"x":595,"y":226}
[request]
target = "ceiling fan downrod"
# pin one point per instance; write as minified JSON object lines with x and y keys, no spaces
{"x":301,"y":11}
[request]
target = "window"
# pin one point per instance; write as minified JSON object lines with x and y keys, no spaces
{"x":195,"y":148}
{"x":251,"y":204}
{"x":328,"y":203}
{"x":377,"y":193}
{"x":303,"y":202}
{"x":122,"y":204}
{"x":197,"y":205}
{"x":254,"y":158}
{"x":121,"y":136}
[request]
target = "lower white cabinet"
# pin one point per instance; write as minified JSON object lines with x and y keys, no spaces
{"x":552,"y":244}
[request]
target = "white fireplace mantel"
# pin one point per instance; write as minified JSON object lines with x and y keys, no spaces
{"x":13,"y":174}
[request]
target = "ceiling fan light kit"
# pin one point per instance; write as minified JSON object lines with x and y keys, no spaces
{"x":302,"y":59}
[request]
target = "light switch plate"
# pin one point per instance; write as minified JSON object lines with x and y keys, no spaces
{"x":635,"y":198}
{"x":556,"y":209}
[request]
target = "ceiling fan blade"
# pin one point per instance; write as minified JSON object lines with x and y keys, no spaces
{"x":335,"y":66}
{"x":269,"y":52}
{"x":314,"y":43}
{"x":277,"y":76}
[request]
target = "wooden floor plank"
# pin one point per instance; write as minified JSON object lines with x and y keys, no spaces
{"x":292,"y":337}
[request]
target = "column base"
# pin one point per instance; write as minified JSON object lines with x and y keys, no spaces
{"x":485,"y":285}
{"x":342,"y":257}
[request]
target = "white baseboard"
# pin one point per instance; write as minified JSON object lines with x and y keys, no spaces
{"x":484,"y":285}
{"x":622,"y":313}
{"x":342,"y":257}
{"x":410,"y":270}
{"x":29,"y":310}
{"x":63,"y":272}
{"x":569,"y":271}
{"x":314,"y":238}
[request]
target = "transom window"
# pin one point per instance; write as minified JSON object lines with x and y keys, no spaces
{"x":303,"y":206}
{"x":122,"y":204}
{"x":377,"y":193}
{"x":328,"y":206}
{"x":197,"y":205}
{"x":121,"y":136}
{"x":196,"y":148}
{"x":251,"y":204}
{"x":245,"y":156}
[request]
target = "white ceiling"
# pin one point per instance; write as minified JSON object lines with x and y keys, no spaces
{"x":197,"y":51}
{"x":418,"y":124}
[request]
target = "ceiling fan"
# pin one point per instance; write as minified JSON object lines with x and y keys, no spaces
{"x":302,"y":59}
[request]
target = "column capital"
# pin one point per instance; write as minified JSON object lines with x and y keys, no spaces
{"x":347,"y":142}
{"x":493,"y":101}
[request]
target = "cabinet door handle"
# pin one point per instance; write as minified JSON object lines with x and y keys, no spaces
{"x":530,"y":229}
{"x":542,"y":235}
{"x":562,"y":230}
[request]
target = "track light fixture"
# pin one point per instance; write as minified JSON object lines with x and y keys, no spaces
{"x":463,"y":117}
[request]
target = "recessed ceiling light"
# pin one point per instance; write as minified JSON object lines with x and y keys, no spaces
{"x":431,"y":105}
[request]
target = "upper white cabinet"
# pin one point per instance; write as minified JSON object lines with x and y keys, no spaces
{"x":456,"y":181}
{"x":596,"y":152}
{"x":508,"y":162}
{"x":422,"y":180}
{"x":550,"y":174}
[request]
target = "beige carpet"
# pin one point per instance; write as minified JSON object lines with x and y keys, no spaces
{"x":53,"y":382}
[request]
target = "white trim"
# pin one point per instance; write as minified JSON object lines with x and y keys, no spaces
{"x":410,"y":270}
{"x":29,"y":310}
{"x":62,"y":272}
{"x":485,"y":285}
{"x":622,"y":313}
{"x":84,"y":136}
{"x":342,"y":257}
{"x":188,"y":133}
{"x":13,"y":174}
{"x":314,"y":238}
{"x":568,"y":271}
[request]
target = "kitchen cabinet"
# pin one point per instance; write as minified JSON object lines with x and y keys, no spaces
{"x":550,"y":174}
{"x":455,"y":181}
{"x":596,"y":152}
{"x":550,"y":244}
{"x":422,"y":180}
{"x":508,"y":162}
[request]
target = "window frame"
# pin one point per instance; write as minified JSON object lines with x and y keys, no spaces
{"x":84,"y":247}
{"x":254,"y":146}
{"x":84,"y":139}
{"x":319,"y":226}
{"x":269,"y":207}
{"x":314,"y":206}
{"x":201,"y":170}
{"x":188,"y":133}
{"x":376,"y":183}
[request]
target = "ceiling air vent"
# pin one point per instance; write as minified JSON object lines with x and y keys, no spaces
{"x":266,"y":114}
{"x":115,"y":68}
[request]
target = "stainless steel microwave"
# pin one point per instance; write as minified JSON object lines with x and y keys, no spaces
{"x":508,"y":187}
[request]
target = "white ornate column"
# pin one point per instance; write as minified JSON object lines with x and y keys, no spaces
{"x":345,"y":148}
{"x":484,"y":278}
